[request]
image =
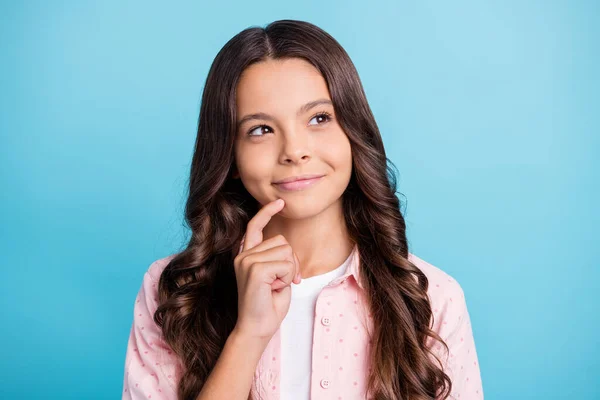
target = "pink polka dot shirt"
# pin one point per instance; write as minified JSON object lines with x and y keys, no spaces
{"x":341,"y":342}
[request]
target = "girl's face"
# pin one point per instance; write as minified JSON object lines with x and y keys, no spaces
{"x":296,"y":133}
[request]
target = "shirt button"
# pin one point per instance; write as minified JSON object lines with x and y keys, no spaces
{"x":325,"y":383}
{"x":325,"y":321}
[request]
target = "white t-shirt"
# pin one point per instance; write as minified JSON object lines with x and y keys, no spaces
{"x":297,"y":334}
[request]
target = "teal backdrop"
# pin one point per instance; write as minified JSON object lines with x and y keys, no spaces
{"x":490,"y":110}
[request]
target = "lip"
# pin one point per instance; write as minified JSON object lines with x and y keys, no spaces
{"x":298,"y":178}
{"x":299,"y":184}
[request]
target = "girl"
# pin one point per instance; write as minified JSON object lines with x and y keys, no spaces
{"x":297,"y":282}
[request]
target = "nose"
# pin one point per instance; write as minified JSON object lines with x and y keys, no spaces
{"x":295,"y":147}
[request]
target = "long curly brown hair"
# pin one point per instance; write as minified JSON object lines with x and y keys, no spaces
{"x":197,"y":290}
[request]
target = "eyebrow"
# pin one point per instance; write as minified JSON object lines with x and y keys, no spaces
{"x":301,"y":110}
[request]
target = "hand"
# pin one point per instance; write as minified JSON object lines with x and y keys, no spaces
{"x":264,"y":272}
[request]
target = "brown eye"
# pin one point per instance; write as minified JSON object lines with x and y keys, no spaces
{"x":257,"y":127}
{"x":324,"y":115}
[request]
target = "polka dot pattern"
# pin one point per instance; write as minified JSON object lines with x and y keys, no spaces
{"x":151,"y":368}
{"x":451,"y":320}
{"x":339,"y":364}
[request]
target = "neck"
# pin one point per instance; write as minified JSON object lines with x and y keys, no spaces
{"x":321,"y":242}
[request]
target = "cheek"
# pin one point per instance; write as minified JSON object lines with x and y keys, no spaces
{"x":339,"y":151}
{"x":253,"y":163}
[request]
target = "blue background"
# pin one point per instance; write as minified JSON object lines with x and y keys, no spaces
{"x":490,"y":111}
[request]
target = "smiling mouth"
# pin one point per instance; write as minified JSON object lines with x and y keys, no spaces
{"x":299,"y":184}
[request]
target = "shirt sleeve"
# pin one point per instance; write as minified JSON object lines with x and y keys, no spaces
{"x":461,"y":363}
{"x":151,"y":367}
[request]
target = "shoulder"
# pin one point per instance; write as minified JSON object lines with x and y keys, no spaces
{"x":148,"y":293}
{"x":447,"y":298}
{"x":146,"y":300}
{"x":156,"y":268}
{"x":151,"y":366}
{"x":442,"y":287}
{"x":452,"y":322}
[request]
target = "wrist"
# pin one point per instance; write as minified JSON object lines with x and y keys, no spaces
{"x":248,"y":341}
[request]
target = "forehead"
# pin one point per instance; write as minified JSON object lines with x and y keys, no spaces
{"x":279,"y":85}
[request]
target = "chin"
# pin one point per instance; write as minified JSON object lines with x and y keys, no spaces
{"x":297,"y":207}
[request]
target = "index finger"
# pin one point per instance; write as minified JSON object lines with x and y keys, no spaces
{"x":254,"y":234}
